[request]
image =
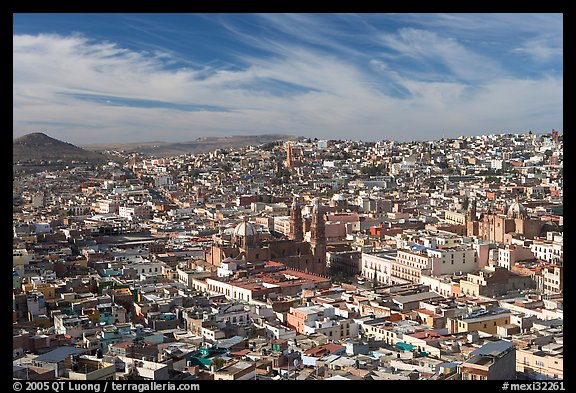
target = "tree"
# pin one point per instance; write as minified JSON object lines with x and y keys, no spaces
{"x":253,"y":332}
{"x":373,"y":170}
{"x":340,"y":278}
{"x":227,"y":167}
{"x":270,"y":146}
{"x":492,"y":179}
{"x":443,"y":165}
{"x":375,"y":281}
{"x":218,"y":362}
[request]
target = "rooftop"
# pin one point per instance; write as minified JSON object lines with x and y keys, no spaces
{"x":493,"y":348}
{"x":59,"y":354}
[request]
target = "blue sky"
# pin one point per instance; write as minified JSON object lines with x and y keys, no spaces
{"x":102,"y":78}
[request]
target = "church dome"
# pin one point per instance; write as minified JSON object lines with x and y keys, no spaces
{"x":245,"y":229}
{"x":517,"y":210}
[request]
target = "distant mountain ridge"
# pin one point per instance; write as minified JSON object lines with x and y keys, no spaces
{"x":38,"y":147}
{"x":200,"y":145}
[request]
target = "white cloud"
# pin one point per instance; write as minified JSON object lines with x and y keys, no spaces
{"x":541,"y":49}
{"x":342,"y":102}
{"x":428,"y":47}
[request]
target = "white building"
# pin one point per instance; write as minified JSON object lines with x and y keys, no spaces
{"x":377,"y":266}
{"x":415,"y":260}
{"x":140,"y":211}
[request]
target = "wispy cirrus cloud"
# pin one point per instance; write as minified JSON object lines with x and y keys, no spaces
{"x":433,"y":50}
{"x":542,"y":49}
{"x":299,"y":75}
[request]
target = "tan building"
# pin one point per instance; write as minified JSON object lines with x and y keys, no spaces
{"x":493,"y":281}
{"x":238,"y":371}
{"x":444,"y":285}
{"x":455,"y":217}
{"x":382,"y":330}
{"x":553,"y":279}
{"x":534,"y":362}
{"x":487,"y":323}
{"x":90,"y":368}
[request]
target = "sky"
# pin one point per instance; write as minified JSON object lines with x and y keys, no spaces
{"x":121,"y":78}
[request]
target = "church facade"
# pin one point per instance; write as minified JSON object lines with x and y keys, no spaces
{"x":496,"y":227}
{"x":294,"y":252}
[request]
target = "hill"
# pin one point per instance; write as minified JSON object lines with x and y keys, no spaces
{"x":200,"y":145}
{"x":37,"y":147}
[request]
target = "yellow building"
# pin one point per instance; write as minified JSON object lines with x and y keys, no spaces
{"x":49,"y":291}
{"x":455,"y":217}
{"x":486,"y":323}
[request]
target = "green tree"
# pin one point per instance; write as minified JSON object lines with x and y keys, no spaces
{"x":373,"y":170}
{"x":218,"y":362}
{"x":340,"y":278}
{"x":253,"y":332}
{"x":375,"y":281}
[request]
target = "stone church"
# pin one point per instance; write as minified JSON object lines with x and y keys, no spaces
{"x":495,"y":227}
{"x":245,"y":243}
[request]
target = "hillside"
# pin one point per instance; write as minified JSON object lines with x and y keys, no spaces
{"x":200,"y":145}
{"x":39,"y":147}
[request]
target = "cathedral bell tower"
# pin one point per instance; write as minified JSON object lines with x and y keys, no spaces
{"x":318,"y":238}
{"x":296,"y":231}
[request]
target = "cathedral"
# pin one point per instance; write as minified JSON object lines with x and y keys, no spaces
{"x":295,"y":252}
{"x":496,"y":227}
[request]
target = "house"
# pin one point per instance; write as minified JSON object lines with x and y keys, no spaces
{"x":54,"y":360}
{"x":541,"y":361}
{"x":237,"y":371}
{"x":493,"y":360}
